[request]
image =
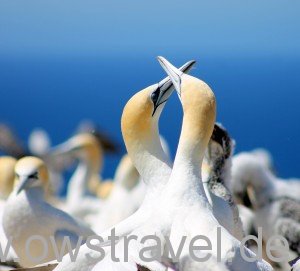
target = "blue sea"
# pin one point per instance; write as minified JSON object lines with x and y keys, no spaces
{"x":257,"y":98}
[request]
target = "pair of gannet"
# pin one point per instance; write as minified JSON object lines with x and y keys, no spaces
{"x":181,"y":207}
{"x":27,"y":214}
{"x":140,"y":131}
{"x":274,"y":202}
{"x":186,"y":210}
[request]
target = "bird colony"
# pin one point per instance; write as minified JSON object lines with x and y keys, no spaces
{"x":207,"y":209}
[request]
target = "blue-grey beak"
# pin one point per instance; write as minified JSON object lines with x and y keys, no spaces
{"x":166,"y":86}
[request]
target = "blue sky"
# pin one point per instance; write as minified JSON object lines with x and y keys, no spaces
{"x":93,"y":27}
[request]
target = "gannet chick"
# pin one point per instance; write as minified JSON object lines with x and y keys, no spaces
{"x":141,"y":135}
{"x":265,"y":158}
{"x":27,"y":214}
{"x":274,"y":202}
{"x":218,"y":157}
{"x":184,"y":209}
{"x":248,"y":171}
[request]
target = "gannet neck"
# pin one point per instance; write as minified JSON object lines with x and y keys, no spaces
{"x":88,"y":149}
{"x":199,"y":110}
{"x":141,"y":137}
{"x":126,"y":174}
{"x":77,"y":186}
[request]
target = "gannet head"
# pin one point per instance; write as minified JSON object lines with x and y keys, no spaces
{"x":7,"y":175}
{"x":249,"y":175}
{"x":198,"y":103}
{"x":83,"y":146}
{"x":30,"y":172}
{"x":141,"y":113}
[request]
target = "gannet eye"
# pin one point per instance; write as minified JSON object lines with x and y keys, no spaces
{"x":154,"y":96}
{"x":33,"y":176}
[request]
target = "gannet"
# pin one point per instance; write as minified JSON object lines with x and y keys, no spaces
{"x":85,"y":148}
{"x":183,"y":208}
{"x":26,"y":214}
{"x":140,"y":132}
{"x":218,"y":157}
{"x":274,"y":201}
{"x":7,"y":175}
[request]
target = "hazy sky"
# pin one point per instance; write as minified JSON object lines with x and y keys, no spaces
{"x":97,"y":27}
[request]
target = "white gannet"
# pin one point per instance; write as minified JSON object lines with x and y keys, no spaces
{"x":218,"y":157}
{"x":183,"y":208}
{"x":39,"y":144}
{"x":7,"y":176}
{"x":140,"y":132}
{"x":87,"y":150}
{"x":26,"y":214}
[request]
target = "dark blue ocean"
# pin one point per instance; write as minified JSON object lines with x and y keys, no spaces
{"x":258,"y":99}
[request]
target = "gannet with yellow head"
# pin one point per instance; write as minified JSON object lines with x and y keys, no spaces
{"x":139,"y":125}
{"x":27,"y":214}
{"x":87,"y":150}
{"x":184,"y":197}
{"x":7,"y":176}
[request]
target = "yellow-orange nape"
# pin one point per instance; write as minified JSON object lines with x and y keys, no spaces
{"x":199,"y":107}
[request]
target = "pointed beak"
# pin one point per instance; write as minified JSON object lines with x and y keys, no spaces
{"x":174,"y":73}
{"x":24,"y":183}
{"x":61,"y":149}
{"x":165,"y":87}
